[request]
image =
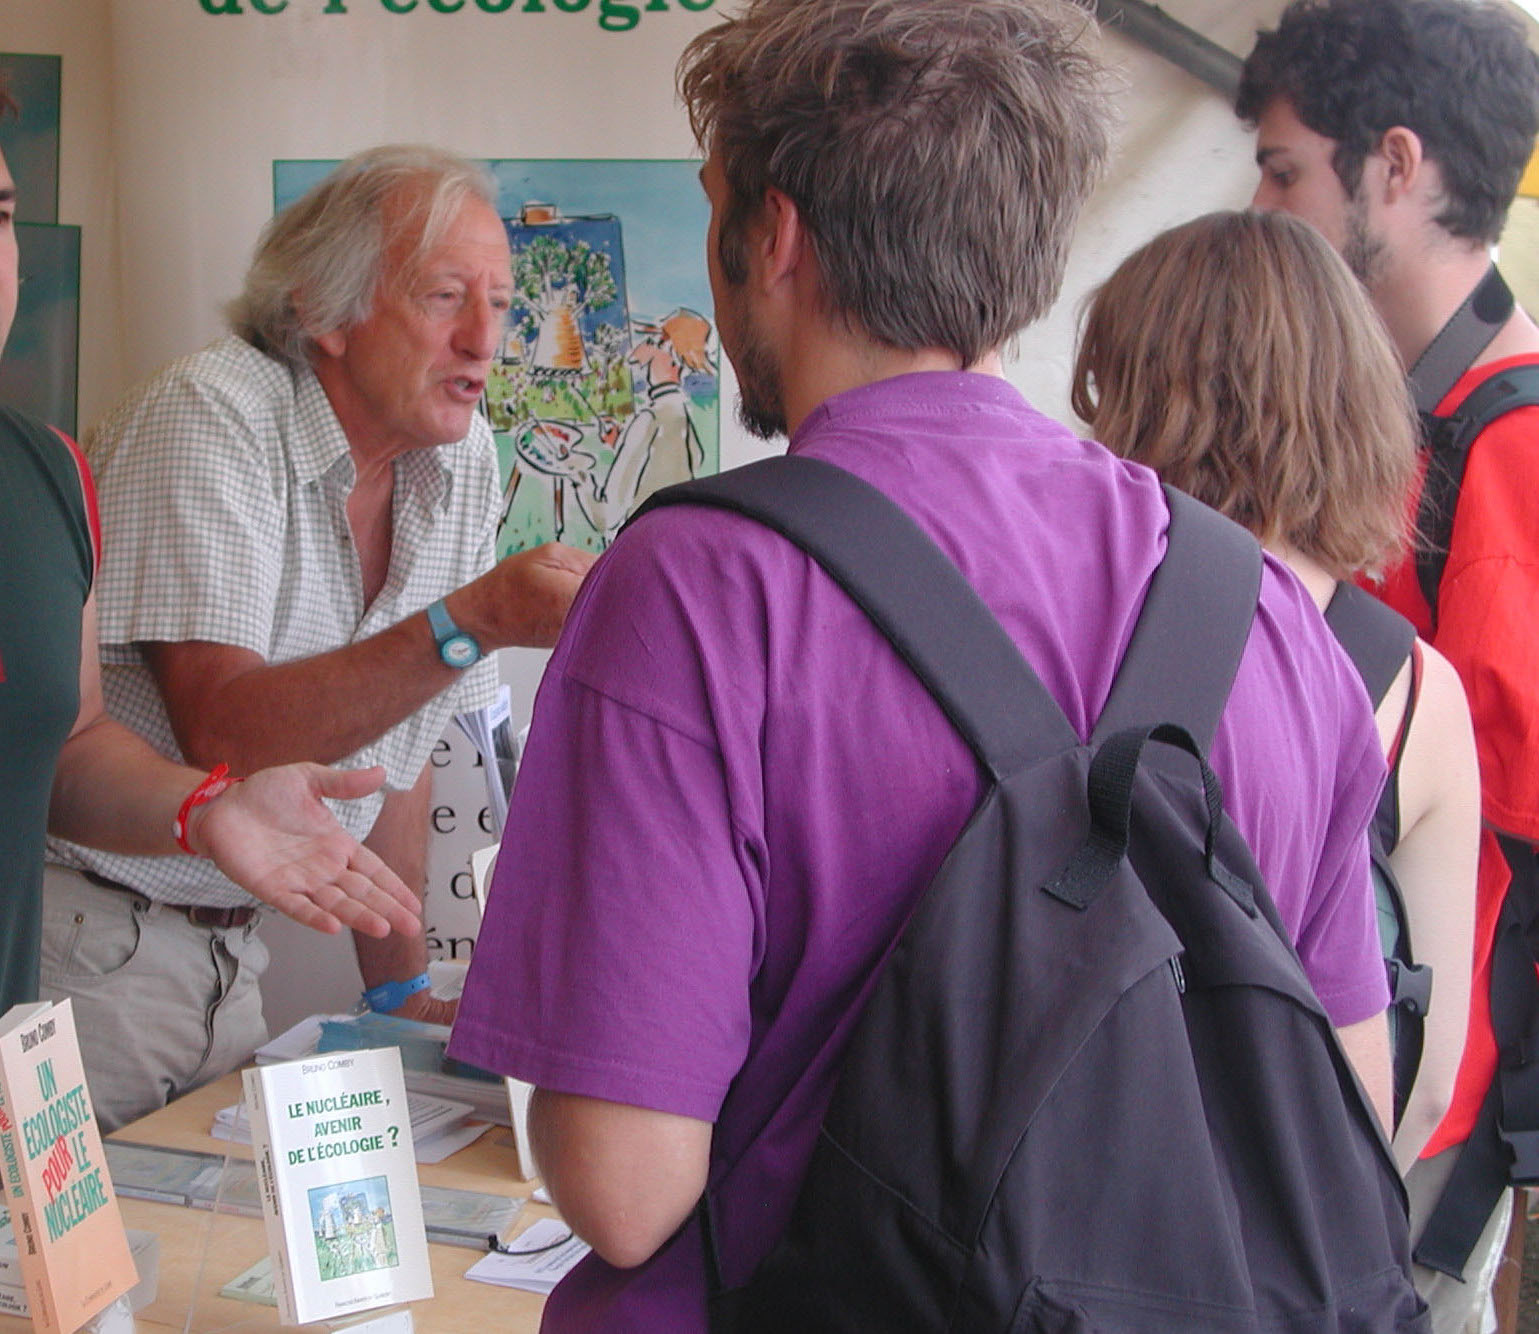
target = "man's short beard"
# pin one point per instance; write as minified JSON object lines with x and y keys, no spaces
{"x":760,"y":403}
{"x":1362,"y":251}
{"x":760,"y":399}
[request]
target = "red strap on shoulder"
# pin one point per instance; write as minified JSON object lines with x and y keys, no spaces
{"x":88,"y":494}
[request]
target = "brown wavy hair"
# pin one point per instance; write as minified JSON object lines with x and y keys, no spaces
{"x":938,"y":152}
{"x":1238,"y":357}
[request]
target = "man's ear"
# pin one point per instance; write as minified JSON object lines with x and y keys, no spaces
{"x":1404,"y":161}
{"x":779,"y":238}
{"x":332,"y":343}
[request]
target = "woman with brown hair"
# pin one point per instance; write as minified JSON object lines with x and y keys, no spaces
{"x":1237,"y":357}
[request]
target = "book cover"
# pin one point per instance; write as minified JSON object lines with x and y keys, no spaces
{"x":70,"y":1243}
{"x":333,"y":1145}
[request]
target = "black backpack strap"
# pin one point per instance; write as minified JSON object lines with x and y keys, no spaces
{"x":1379,"y":641}
{"x":1464,"y":337}
{"x":1377,"y":638}
{"x":910,"y":589}
{"x":1503,"y":1148}
{"x":1448,"y":442}
{"x":1193,"y":628}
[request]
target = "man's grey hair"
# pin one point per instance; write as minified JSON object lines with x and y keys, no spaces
{"x":320,"y":262}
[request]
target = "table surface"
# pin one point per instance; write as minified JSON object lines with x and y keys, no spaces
{"x":201,"y":1251}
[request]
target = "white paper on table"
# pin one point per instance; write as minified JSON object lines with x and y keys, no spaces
{"x":446,"y":978}
{"x":294,"y":1043}
{"x":483,"y":861}
{"x":536,"y":1269}
{"x":435,"y":1148}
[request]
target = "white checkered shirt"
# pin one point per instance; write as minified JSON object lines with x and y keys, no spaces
{"x":223,"y":484}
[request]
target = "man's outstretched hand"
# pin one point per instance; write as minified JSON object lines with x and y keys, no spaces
{"x":273,"y":836}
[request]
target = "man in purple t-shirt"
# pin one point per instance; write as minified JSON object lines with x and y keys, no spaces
{"x":734,"y":790}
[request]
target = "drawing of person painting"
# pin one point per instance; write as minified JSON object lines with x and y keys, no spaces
{"x":659,"y":444}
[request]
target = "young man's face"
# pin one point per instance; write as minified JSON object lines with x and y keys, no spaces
{"x":10,"y":260}
{"x":1298,"y":177}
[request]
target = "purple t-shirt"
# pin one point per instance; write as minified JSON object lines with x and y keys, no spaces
{"x":734,"y":790}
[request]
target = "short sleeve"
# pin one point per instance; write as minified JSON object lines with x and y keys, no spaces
{"x":615,"y":957}
{"x":1338,"y":938}
{"x":189,"y":502}
{"x":479,"y":684}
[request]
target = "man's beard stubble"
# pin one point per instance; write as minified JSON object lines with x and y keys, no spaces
{"x":760,"y":399}
{"x":760,"y":404}
{"x":1362,"y":251}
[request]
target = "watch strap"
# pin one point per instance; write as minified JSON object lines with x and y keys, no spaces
{"x":388,"y":996}
{"x":446,"y":633}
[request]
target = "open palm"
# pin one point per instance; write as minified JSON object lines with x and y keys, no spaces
{"x":274,"y":837}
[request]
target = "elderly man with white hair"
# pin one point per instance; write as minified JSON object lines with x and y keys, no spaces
{"x":301,"y":567}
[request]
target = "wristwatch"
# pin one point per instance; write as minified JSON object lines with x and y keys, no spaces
{"x":455,"y":646}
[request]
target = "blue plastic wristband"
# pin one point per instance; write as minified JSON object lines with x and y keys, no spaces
{"x":389,"y":996}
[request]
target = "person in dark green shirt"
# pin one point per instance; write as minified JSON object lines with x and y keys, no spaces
{"x":69,"y":769}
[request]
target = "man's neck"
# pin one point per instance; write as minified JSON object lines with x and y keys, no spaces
{"x":373,"y":452}
{"x":826,"y":366}
{"x":1417,"y":296}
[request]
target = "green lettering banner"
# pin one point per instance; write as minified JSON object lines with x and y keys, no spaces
{"x":610,"y":15}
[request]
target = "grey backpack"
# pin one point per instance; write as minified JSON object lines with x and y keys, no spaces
{"x":1092,"y":1089}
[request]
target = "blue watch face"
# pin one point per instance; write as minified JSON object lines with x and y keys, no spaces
{"x":459,"y":650}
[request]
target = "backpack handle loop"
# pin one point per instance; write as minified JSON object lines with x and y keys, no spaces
{"x":1113,"y":771}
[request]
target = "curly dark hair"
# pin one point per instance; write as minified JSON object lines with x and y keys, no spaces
{"x":1458,"y":74}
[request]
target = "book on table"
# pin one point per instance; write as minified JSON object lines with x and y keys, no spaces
{"x":332,"y":1140}
{"x":71,"y":1247}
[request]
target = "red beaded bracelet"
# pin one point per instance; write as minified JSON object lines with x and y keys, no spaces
{"x":217,"y":781}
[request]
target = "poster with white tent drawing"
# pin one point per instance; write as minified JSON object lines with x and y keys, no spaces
{"x":606,"y":385}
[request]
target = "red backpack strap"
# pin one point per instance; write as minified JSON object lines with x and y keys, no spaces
{"x":87,"y":494}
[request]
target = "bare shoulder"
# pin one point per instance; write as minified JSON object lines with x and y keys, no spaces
{"x":1439,"y":765}
{"x":1443,"y":709}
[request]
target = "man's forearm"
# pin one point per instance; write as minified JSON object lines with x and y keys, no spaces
{"x":1366,"y":1045}
{"x":228,"y":706}
{"x":400,"y":838}
{"x":624,"y":1177}
{"x":273,"y":836}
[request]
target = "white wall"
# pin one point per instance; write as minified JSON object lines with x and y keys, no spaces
{"x":1180,"y":153}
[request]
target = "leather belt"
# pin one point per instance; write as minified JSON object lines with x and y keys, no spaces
{"x":198,"y":914}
